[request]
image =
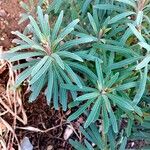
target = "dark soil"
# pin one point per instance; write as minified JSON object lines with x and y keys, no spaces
{"x":41,"y":116}
{"x":9,"y":16}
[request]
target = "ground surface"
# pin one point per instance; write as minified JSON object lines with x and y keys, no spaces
{"x":9,"y":16}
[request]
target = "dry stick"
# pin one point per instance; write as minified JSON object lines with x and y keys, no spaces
{"x":15,"y":97}
{"x":10,"y":83}
{"x":10,"y":111}
{"x":38,"y":130}
{"x":2,"y":144}
{"x":3,"y":113}
{"x":9,"y":99}
{"x":10,"y":129}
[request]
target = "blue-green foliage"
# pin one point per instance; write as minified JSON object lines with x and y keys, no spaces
{"x":101,"y":58}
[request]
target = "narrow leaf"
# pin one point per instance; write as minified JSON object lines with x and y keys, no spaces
{"x":87,"y":96}
{"x":93,"y":112}
{"x":93,"y":24}
{"x":136,"y":32}
{"x":142,"y":87}
{"x":50,"y":85}
{"x":57,"y":26}
{"x":80,"y":110}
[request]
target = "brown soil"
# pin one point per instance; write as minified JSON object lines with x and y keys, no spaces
{"x":41,"y":116}
{"x":9,"y":16}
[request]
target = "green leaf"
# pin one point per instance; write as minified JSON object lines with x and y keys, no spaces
{"x":85,"y":6}
{"x":22,"y":76}
{"x":24,"y":65}
{"x":66,"y":31}
{"x":113,"y":48}
{"x":138,"y":110}
{"x":85,"y":133}
{"x":125,"y":36}
{"x":77,"y":145}
{"x":111,"y":114}
{"x":75,"y":42}
{"x":107,"y":103}
{"x":96,"y":136}
{"x":143,"y":63}
{"x":97,"y":115}
{"x":64,"y":98}
{"x":129,"y":2}
{"x":99,"y":73}
{"x":84,"y":70}
{"x":70,"y":55}
{"x":105,"y":119}
{"x":50,"y":85}
{"x":36,"y":28}
{"x":23,"y":37}
{"x":76,"y":88}
{"x":123,"y":144}
{"x":113,"y":121}
{"x":67,"y":80}
{"x":58,"y":60}
{"x":129,"y":127}
{"x":20,"y":47}
{"x":139,"y":18}
{"x":142,"y":87}
{"x":39,"y":65}
{"x":112,"y":80}
{"x":121,"y":102}
{"x":25,"y":55}
{"x":109,"y":7}
{"x":88,"y":145}
{"x":41,"y":18}
{"x":145,"y":45}
{"x":111,"y":138}
{"x":93,"y":112}
{"x":87,"y":56}
{"x":136,"y":32}
{"x":43,"y":70}
{"x":73,"y":75}
{"x":55,"y":92}
{"x":47,"y":30}
{"x":57,"y":26}
{"x":24,"y":6}
{"x":120,"y":16}
{"x":88,"y":96}
{"x":123,"y":63}
{"x":93,"y":24}
{"x":39,"y":85}
{"x":126,"y":86}
{"x":80,"y":110}
{"x":58,"y":4}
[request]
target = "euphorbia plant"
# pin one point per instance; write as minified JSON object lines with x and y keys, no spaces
{"x":50,"y":55}
{"x":101,"y":59}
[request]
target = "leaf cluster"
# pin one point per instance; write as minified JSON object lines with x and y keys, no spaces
{"x":97,"y":51}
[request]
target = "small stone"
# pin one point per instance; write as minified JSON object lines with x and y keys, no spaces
{"x":50,"y":147}
{"x":68,"y":132}
{"x":26,"y":144}
{"x":2,"y":39}
{"x":2,"y":13}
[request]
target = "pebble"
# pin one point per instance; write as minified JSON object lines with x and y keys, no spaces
{"x":2,"y":39}
{"x":2,"y":13}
